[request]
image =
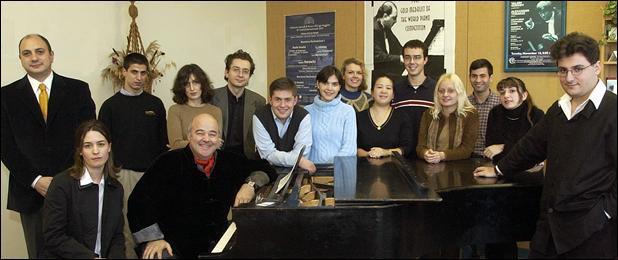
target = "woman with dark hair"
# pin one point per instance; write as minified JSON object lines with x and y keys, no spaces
{"x":510,"y":121}
{"x":333,"y":123}
{"x":192,"y":92}
{"x":383,"y":130}
{"x":83,"y":208}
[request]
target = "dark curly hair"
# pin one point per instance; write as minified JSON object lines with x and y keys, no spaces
{"x":575,"y":42}
{"x":182,"y":79}
{"x":239,"y":54}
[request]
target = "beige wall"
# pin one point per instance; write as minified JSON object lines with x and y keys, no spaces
{"x":82,"y":36}
{"x":480,"y":34}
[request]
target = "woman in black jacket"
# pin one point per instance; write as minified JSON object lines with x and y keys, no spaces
{"x":83,"y":208}
{"x":511,"y":120}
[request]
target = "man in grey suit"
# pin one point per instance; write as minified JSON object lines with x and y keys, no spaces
{"x":40,"y":113}
{"x":238,"y":104}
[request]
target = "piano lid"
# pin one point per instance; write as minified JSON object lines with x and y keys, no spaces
{"x":378,"y":180}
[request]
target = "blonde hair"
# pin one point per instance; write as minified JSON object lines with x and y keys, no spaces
{"x":363,"y":85}
{"x":463,"y":105}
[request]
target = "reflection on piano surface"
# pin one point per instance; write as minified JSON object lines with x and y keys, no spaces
{"x":388,"y":208}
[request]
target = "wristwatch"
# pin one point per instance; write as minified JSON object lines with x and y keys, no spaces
{"x":251,"y":184}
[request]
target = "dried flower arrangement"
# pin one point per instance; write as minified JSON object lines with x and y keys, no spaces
{"x":113,"y":72}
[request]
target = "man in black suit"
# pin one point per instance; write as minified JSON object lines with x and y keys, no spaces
{"x":40,"y":113}
{"x":577,"y":136}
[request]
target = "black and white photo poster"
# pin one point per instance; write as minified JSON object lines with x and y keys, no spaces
{"x":390,"y":24}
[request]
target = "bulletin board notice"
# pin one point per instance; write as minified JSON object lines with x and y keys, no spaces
{"x":309,"y":46}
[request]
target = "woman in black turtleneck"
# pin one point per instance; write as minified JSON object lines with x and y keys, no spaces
{"x":511,"y":120}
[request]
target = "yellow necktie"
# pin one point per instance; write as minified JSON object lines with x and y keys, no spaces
{"x":43,"y":98}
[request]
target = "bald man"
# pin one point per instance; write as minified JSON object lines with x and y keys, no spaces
{"x":180,"y":206}
{"x":40,"y":113}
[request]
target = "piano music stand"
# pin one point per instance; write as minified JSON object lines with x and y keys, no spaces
{"x":278,"y":197}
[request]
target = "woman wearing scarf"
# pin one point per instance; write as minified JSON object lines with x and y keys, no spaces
{"x":448,"y":130}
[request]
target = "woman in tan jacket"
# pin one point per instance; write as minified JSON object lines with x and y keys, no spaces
{"x":448,"y":130}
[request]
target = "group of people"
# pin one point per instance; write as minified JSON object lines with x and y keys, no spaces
{"x":169,"y":183}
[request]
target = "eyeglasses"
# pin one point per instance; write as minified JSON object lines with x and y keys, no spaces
{"x":563,"y":72}
{"x":238,"y":70}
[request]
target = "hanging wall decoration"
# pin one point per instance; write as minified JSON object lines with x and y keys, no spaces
{"x":153,"y":53}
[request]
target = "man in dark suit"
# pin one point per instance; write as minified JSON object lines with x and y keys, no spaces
{"x":577,"y":136}
{"x":238,"y":104}
{"x":386,"y":47}
{"x":40,"y":113}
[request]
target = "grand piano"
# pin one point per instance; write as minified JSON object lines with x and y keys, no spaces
{"x":387,"y":208}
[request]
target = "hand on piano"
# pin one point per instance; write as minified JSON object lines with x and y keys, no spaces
{"x":154,"y":249}
{"x":484,"y":171}
{"x":244,"y":195}
{"x":492,"y":150}
{"x":307,"y":165}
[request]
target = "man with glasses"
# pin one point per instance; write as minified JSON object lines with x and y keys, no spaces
{"x":414,"y":94}
{"x":577,"y":136}
{"x":237,"y":104}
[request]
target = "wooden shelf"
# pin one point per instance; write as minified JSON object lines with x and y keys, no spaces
{"x":608,"y":68}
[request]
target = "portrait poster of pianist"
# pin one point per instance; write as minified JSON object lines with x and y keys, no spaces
{"x":531,"y":28}
{"x":396,"y":22}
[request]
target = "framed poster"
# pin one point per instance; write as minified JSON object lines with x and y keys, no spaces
{"x":309,"y":46}
{"x":390,"y":24}
{"x":531,"y":27}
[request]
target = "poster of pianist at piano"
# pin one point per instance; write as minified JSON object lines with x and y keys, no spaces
{"x":531,"y":27}
{"x":390,"y":24}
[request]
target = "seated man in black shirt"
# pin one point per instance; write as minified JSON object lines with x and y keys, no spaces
{"x":181,"y":203}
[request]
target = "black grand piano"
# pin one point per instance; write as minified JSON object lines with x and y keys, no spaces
{"x":386,"y":208}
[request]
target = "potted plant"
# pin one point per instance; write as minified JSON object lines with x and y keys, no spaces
{"x":609,"y":11}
